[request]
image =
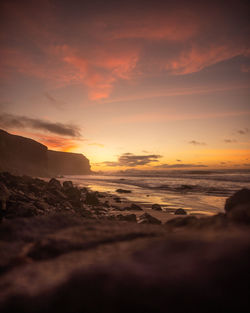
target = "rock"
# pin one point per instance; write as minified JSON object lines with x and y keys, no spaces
{"x":74,"y":196}
{"x":185,"y":187}
{"x":123,"y":191}
{"x":117,"y":208}
{"x":117,"y":199}
{"x":182,"y":222}
{"x":240,"y":197}
{"x":237,"y":207}
{"x":4,"y":196}
{"x":135,"y":207}
{"x":180,"y":212}
{"x":91,"y":198}
{"x":148,"y":219}
{"x":21,"y":210}
{"x":127,"y":218}
{"x":42,"y":205}
{"x":35,"y":188}
{"x":54,"y":184}
{"x":84,"y":190}
{"x":67,"y":184}
{"x":156,"y":207}
{"x":106,"y":204}
{"x":59,"y":194}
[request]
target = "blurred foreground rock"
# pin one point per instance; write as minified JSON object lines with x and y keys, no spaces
{"x":61,"y":251}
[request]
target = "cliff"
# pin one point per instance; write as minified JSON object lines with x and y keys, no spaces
{"x":66,"y":163}
{"x":20,"y":155}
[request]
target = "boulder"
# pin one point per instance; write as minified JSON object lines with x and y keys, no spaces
{"x":135,"y":207}
{"x":4,"y":196}
{"x":127,"y":218}
{"x":156,"y":207}
{"x":240,"y":197}
{"x":42,"y":205}
{"x":117,"y":199}
{"x":74,"y":196}
{"x":180,"y":212}
{"x":189,"y":221}
{"x":237,"y":207}
{"x":21,"y":210}
{"x":123,"y":191}
{"x":148,"y":219}
{"x":67,"y":184}
{"x":91,"y":198}
{"x":106,"y":204}
{"x":54,"y":184}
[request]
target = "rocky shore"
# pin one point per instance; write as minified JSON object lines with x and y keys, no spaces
{"x":70,"y":249}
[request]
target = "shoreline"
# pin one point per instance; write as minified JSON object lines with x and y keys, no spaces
{"x":119,"y":201}
{"x":198,"y":204}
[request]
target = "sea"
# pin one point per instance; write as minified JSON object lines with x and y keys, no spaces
{"x":197,"y":192}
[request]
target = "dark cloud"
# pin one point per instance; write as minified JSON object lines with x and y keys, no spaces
{"x":132,"y":160}
{"x":10,"y":121}
{"x":243,"y":131}
{"x":230,"y":141}
{"x":178,"y":160}
{"x":53,"y":101}
{"x":129,"y":159}
{"x":197,"y":143}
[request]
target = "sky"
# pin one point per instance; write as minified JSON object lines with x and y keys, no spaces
{"x":152,"y":85}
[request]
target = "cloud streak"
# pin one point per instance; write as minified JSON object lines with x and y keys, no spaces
{"x":11,"y":121}
{"x":197,"y":143}
{"x":230,"y":140}
{"x":243,"y":131}
{"x":178,"y":165}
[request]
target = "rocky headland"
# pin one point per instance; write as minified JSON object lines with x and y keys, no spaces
{"x":69,"y":249}
{"x":20,"y":155}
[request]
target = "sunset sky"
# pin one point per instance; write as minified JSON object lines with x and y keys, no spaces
{"x":133,"y":84}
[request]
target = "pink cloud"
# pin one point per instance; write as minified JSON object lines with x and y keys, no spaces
{"x":198,"y":57}
{"x":100,"y":50}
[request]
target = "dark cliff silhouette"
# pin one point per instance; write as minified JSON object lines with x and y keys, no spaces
{"x":20,"y":155}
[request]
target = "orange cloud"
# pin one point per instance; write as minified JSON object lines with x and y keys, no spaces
{"x":58,"y":143}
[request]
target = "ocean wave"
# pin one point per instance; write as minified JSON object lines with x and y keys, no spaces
{"x":176,"y":186}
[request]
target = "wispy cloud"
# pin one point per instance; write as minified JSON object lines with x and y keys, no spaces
{"x":11,"y":121}
{"x":53,"y":101}
{"x":230,"y":140}
{"x":178,"y":165}
{"x":197,"y":143}
{"x":243,"y":131}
